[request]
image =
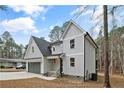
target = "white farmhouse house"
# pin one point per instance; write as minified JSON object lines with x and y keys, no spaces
{"x":74,"y":55}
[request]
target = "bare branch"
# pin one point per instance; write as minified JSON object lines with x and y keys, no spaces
{"x":82,"y":9}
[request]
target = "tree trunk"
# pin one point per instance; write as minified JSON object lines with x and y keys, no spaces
{"x":106,"y":50}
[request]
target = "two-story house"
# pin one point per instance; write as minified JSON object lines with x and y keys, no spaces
{"x":74,"y":55}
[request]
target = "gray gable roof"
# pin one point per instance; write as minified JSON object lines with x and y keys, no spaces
{"x":43,"y":45}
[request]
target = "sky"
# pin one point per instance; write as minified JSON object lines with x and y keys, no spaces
{"x":24,"y":21}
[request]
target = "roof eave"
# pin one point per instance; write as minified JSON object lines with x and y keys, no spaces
{"x":87,"y":34}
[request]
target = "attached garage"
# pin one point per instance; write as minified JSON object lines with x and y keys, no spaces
{"x":34,"y":67}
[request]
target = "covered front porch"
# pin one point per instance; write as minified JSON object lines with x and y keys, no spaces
{"x":54,"y":65}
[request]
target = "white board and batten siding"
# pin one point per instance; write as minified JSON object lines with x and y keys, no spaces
{"x":77,"y":52}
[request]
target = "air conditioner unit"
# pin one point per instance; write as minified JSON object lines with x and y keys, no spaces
{"x":93,"y":76}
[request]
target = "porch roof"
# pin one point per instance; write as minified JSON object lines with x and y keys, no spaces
{"x":54,"y":56}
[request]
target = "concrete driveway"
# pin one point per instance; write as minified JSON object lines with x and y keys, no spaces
{"x":21,"y":75}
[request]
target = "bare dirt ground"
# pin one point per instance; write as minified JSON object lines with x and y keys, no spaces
{"x":11,"y":70}
{"x":116,"y":82}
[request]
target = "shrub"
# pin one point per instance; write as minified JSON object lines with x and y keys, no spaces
{"x":2,"y":66}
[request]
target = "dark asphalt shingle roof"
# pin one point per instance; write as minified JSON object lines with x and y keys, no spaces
{"x":43,"y":45}
{"x":57,"y":42}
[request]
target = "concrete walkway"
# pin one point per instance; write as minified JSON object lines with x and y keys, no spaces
{"x":22,"y":75}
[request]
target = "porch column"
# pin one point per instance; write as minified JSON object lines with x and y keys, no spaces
{"x":61,"y":67}
{"x":27,"y":66}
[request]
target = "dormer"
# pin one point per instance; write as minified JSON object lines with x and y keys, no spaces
{"x":56,"y":47}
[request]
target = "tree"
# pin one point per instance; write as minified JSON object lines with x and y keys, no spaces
{"x":21,"y":52}
{"x":116,"y":50}
{"x":65,"y":26}
{"x":106,"y":47}
{"x":56,"y":32}
{"x":1,"y":42}
{"x":6,"y":36}
{"x":6,"y":39}
{"x":10,"y":48}
{"x":100,"y":43}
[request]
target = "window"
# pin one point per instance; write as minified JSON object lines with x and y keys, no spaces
{"x":72,"y":43}
{"x":72,"y":62}
{"x":53,"y":48}
{"x":32,"y":49}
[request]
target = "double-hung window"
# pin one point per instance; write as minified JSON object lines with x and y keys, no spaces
{"x":72,"y":62}
{"x":72,"y":43}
